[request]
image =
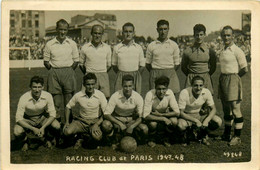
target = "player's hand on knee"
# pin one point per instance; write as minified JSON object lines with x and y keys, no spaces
{"x":198,"y":123}
{"x":129,"y":130}
{"x":65,"y":126}
{"x":95,"y":129}
{"x":36,"y":131}
{"x":96,"y":132}
{"x":167,"y":121}
{"x":41,"y":133}
{"x":122,"y":126}
{"x":205,"y":123}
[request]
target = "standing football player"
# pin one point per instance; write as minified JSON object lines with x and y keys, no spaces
{"x":233,"y":66}
{"x":61,"y":58}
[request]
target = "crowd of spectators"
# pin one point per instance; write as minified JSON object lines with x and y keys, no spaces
{"x":36,"y":45}
{"x":18,"y":46}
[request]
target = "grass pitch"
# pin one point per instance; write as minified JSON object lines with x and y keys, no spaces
{"x":218,"y":151}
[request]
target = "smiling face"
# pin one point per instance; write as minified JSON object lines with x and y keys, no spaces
{"x":163,"y":31}
{"x":127,"y":88}
{"x":62,"y":31}
{"x":128,"y":33}
{"x":199,"y":37}
{"x":197,"y":87}
{"x":97,"y":33}
{"x":227,"y":37}
{"x":89,"y":86}
{"x":160,"y":91}
{"x":36,"y":90}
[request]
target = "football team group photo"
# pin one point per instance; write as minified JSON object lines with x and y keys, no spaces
{"x":116,"y":86}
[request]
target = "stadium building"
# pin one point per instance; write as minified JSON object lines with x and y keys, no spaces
{"x":27,"y":23}
{"x":80,"y":27}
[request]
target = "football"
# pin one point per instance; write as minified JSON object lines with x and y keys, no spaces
{"x":128,"y":144}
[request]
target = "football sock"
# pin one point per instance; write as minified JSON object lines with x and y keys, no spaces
{"x":227,"y":130}
{"x":228,"y":124}
{"x":238,"y":132}
{"x":238,"y":125}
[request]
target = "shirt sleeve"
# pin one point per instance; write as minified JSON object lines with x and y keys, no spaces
{"x":212,"y":61}
{"x":75,"y":52}
{"x":209,"y":101}
{"x":148,"y":104}
{"x":184,"y":63}
{"x":176,"y":54}
{"x":111,"y":105}
{"x":20,"y":110}
{"x":50,"y":106}
{"x":182,"y":99}
{"x":47,"y":52}
{"x":173,"y":103}
{"x":72,"y":102}
{"x":149,"y":54}
{"x":140,"y":105}
{"x":109,"y":56}
{"x":241,"y":58}
{"x":115,"y":57}
{"x":103,"y":102}
{"x":82,"y":57}
{"x":141,"y":57}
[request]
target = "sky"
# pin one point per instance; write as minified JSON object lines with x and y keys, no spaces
{"x":181,"y":21}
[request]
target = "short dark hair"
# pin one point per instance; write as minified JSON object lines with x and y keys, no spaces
{"x":197,"y":78}
{"x":163,"y":80}
{"x":62,"y":21}
{"x":227,"y":27}
{"x":97,"y":25}
{"x":199,"y":28}
{"x":89,"y":76}
{"x":162,"y":22}
{"x":127,"y":25}
{"x":36,"y":79}
{"x":127,"y":77}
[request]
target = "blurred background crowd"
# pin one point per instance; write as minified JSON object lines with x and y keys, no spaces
{"x":36,"y":45}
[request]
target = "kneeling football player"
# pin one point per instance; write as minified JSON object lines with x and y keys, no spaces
{"x":35,"y":115}
{"x":161,"y":111}
{"x":124,"y":112}
{"x":92,"y":104}
{"x":191,"y":101}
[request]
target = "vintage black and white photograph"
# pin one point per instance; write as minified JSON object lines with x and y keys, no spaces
{"x":130,"y":86}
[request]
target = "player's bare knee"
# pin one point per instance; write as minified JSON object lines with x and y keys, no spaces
{"x":18,"y":130}
{"x":174,"y":121}
{"x":106,"y":126}
{"x":153,"y":126}
{"x":235,"y":105}
{"x":144,"y":129}
{"x":218,"y":120}
{"x":55,"y":124}
{"x":182,"y":124}
{"x":68,"y":131}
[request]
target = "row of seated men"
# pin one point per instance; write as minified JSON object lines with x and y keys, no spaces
{"x":157,"y":118}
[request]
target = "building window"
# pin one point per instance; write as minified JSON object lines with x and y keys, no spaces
{"x":12,"y":23}
{"x":36,"y":33}
{"x":12,"y":14}
{"x":23,"y":23}
{"x":36,"y":15}
{"x":36,"y":24}
{"x":30,"y":13}
{"x":30,"y":23}
{"x":23,"y":15}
